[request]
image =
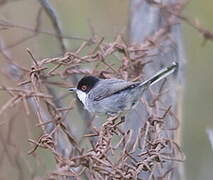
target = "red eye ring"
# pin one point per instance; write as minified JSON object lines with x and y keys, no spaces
{"x":84,"y":88}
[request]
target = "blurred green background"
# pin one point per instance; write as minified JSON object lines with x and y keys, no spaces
{"x":198,"y":99}
{"x":108,"y":18}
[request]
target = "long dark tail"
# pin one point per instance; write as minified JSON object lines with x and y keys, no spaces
{"x":160,"y":75}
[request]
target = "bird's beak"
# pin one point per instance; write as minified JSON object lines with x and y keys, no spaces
{"x":72,"y":89}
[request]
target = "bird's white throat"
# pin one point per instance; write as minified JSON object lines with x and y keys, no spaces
{"x":82,"y":96}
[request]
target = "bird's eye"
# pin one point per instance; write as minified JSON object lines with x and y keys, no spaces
{"x":84,"y":88}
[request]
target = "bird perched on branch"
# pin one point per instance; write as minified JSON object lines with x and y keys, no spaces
{"x":115,"y":96}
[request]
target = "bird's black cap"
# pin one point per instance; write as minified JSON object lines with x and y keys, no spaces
{"x":87,"y":83}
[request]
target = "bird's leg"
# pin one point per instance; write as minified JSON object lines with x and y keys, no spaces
{"x":122,"y":119}
{"x":113,"y":119}
{"x":119,"y":122}
{"x":110,"y":120}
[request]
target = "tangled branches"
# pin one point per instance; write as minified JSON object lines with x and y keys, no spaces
{"x":111,"y":153}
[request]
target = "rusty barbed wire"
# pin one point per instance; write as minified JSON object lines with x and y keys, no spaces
{"x":107,"y":159}
{"x":112,"y":155}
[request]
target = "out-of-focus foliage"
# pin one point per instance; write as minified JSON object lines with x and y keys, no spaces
{"x":198,"y":101}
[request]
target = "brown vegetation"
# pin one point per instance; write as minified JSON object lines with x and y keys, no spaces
{"x":105,"y":157}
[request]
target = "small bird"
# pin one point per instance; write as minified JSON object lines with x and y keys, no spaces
{"x":115,"y":96}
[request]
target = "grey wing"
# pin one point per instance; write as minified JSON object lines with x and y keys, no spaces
{"x":109,"y":87}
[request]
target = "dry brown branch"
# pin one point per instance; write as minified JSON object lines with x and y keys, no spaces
{"x":6,"y":25}
{"x":176,"y":9}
